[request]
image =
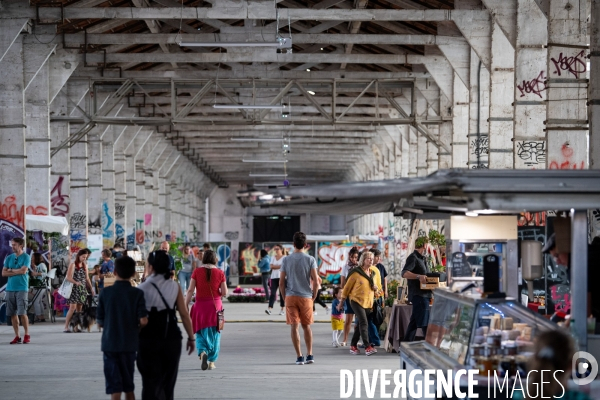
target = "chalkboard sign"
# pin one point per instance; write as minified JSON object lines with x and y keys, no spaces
{"x":460,"y":265}
{"x":491,"y":274}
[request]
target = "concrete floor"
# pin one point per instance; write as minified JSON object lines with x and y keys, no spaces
{"x":256,"y":362}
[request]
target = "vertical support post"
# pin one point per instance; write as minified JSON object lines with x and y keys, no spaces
{"x":594,"y":100}
{"x":130,"y":204}
{"x":79,"y":194}
{"x":95,"y":182}
{"x":579,"y":274}
{"x":531,"y":72}
{"x":12,"y":143}
{"x":120,"y":199}
{"x":460,"y":125}
{"x":567,"y":119}
{"x":37,"y":133}
{"x":502,"y":80}
{"x":108,"y":188}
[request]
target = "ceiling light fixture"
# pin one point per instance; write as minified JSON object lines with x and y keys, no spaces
{"x":471,"y":214}
{"x":311,"y":92}
{"x":266,"y":175}
{"x":282,"y":43}
{"x":255,"y":140}
{"x":248,"y":107}
{"x":265,"y":161}
{"x":308,"y":69}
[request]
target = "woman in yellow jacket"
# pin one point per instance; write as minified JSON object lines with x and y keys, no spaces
{"x":363,"y":284}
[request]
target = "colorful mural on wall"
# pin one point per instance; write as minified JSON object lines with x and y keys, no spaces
{"x":333,"y":256}
{"x":249,"y":253}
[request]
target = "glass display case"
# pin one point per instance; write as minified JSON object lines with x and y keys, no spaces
{"x":480,"y":333}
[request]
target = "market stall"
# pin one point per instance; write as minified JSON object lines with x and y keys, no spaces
{"x":461,"y":323}
{"x":45,"y":224}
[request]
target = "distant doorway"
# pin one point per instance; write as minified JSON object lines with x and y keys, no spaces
{"x":275,"y":228}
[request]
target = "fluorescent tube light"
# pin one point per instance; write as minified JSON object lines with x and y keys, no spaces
{"x":266,"y":175}
{"x":255,"y":140}
{"x":311,"y":92}
{"x":245,"y":107}
{"x":282,"y":43}
{"x":471,"y":214}
{"x":265,"y":161}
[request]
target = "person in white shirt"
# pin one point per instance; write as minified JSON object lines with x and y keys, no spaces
{"x":276,"y":263}
{"x":39,"y":271}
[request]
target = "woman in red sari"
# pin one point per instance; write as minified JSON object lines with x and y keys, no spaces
{"x":209,"y":284}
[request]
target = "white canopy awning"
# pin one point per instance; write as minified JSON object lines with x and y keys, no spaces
{"x":47,"y":223}
{"x":327,"y":238}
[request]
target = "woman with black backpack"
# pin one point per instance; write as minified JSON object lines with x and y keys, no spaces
{"x":160,"y":341}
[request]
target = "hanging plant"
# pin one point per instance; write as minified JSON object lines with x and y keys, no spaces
{"x":421,"y":241}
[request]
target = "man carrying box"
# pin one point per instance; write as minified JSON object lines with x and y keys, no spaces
{"x":415,"y":271}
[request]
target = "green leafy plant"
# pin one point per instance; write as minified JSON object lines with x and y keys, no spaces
{"x":436,"y":238}
{"x":392,"y":292}
{"x":177,"y":254}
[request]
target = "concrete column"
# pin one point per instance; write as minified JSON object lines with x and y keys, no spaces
{"x":432,"y":151}
{"x":531,"y":72}
{"x":567,"y":119}
{"x":594,"y":101}
{"x":444,"y":158}
{"x":12,"y":140}
{"x":502,"y":78}
{"x":120,"y":198}
{"x":37,"y":133}
{"x":140,"y":210}
{"x":95,"y":181}
{"x":168,"y":223}
{"x":413,"y":152}
{"x":148,"y":207}
{"x":60,"y":173}
{"x":79,"y":194}
{"x":108,"y":187}
{"x":130,"y":204}
{"x":460,"y":124}
{"x":479,"y":114}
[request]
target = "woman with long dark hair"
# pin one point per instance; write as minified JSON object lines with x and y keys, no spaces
{"x":210,"y":286}
{"x":276,"y":263}
{"x":160,"y":341}
{"x":77,"y":274}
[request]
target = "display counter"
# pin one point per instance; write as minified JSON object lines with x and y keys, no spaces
{"x":470,"y":332}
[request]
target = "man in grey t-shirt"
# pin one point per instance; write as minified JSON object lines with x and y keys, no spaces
{"x":298,"y":287}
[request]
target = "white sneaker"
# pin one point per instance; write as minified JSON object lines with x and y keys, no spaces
{"x":334,"y":344}
{"x":281,"y":312}
{"x":314,"y":313}
{"x":268,"y":311}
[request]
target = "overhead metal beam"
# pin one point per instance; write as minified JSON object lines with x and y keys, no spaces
{"x":246,"y":11}
{"x":72,"y":39}
{"x":314,"y":58}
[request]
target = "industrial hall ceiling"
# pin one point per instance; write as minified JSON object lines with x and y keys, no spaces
{"x":256,"y":92}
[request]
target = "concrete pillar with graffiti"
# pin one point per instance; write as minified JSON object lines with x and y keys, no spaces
{"x":130,"y":204}
{"x":78,"y":220}
{"x":60,"y":181}
{"x":530,"y":86}
{"x":567,"y":120}
{"x":120,"y":198}
{"x":95,"y":182}
{"x":107,"y":219}
{"x":37,"y":131}
{"x":140,"y":192}
{"x":12,"y":137}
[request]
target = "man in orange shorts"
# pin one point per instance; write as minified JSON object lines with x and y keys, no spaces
{"x":298,"y":286}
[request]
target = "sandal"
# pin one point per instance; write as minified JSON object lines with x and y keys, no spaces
{"x":66,"y":331}
{"x":343,"y":344}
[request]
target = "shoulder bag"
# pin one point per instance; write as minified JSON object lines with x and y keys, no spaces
{"x":220,"y":313}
